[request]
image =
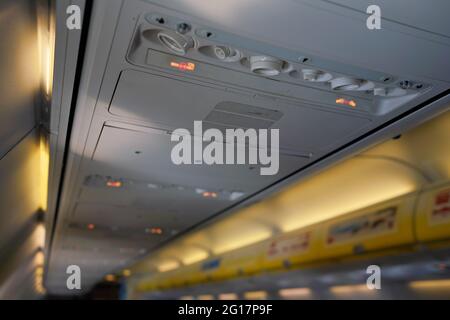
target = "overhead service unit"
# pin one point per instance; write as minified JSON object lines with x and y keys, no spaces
{"x":178,"y":71}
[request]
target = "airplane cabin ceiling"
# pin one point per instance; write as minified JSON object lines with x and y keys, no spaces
{"x":120,"y":182}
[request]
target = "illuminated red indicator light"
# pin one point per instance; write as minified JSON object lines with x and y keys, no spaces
{"x":350,"y":103}
{"x":91,"y":226}
{"x":207,"y":194}
{"x":113,"y":184}
{"x":154,"y":230}
{"x":183,"y":66}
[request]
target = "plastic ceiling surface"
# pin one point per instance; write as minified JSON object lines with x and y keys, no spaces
{"x":120,"y":182}
{"x":310,"y":20}
{"x":421,"y":149}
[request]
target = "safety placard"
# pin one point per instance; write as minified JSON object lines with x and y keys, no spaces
{"x":287,"y":246}
{"x":441,"y":208}
{"x":373,"y":224}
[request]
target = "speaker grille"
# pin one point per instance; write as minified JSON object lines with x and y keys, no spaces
{"x":236,"y":115}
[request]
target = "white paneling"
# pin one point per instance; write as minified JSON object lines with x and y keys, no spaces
{"x":177,"y":104}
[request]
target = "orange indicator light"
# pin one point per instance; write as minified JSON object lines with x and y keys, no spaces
{"x":110,"y":278}
{"x":154,"y":230}
{"x":114,"y":184}
{"x":350,"y":103}
{"x":183,"y":66}
{"x":208,"y":194}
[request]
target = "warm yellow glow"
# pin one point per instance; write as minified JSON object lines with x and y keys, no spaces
{"x":432,"y":285}
{"x":39,"y":258}
{"x":352,"y":185}
{"x":110,"y":277}
{"x":126,"y":272}
{"x":39,"y":271}
{"x":39,"y":287}
{"x":351,"y":289}
{"x":192,"y":255}
{"x":228,"y":296}
{"x":205,"y":297}
{"x":426,"y":144}
{"x":295,"y":293}
{"x":48,"y":68}
{"x":39,"y":280}
{"x":168,"y":265}
{"x":39,"y":235}
{"x":44,"y":171}
{"x":237,"y":235}
{"x":255,"y":295}
{"x":186,"y":298}
{"x":46,"y":44}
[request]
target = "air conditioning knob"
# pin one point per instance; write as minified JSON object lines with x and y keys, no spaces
{"x":344,"y":84}
{"x":316,"y":75}
{"x":266,"y":66}
{"x":175,"y":42}
{"x":226,"y":53}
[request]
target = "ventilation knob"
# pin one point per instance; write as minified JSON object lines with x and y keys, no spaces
{"x":344,"y":84}
{"x":175,"y":42}
{"x":266,"y":66}
{"x":316,"y":75}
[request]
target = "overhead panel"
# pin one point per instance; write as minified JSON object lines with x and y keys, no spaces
{"x":176,"y":103}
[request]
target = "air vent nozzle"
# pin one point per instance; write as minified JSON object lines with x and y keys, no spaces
{"x":175,"y":42}
{"x":266,"y":66}
{"x":351,"y":84}
{"x":316,"y":75}
{"x":220,"y":52}
{"x":344,"y":84}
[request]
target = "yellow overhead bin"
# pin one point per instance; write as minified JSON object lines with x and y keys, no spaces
{"x":433,"y":214}
{"x":291,"y":249}
{"x":384,"y":225}
{"x":419,"y":216}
